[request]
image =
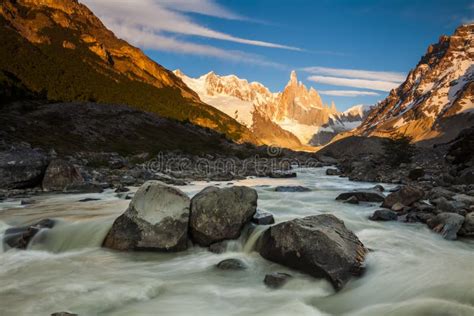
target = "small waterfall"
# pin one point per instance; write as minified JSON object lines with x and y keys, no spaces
{"x":252,"y":239}
{"x":65,"y":236}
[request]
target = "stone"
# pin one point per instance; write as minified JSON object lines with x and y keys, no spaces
{"x":88,"y":200}
{"x":289,"y":188}
{"x":121,"y":189}
{"x":63,"y":314}
{"x":232,"y":264}
{"x":440,"y":192}
{"x":444,"y":205}
{"x":447,"y":224}
{"x":282,"y":174}
{"x":156,"y":220}
{"x":276,"y":280}
{"x":467,"y":228}
{"x":332,"y":172}
{"x":220,"y":214}
{"x":352,"y":200}
{"x":263,"y":218}
{"x":22,"y":168}
{"x":384,"y":215}
{"x":319,"y":245}
{"x":61,"y":174}
{"x":20,"y":237}
{"x":407,"y":195}
{"x":398,"y":207}
{"x":27,"y":202}
{"x":362,"y":196}
{"x":416,"y":173}
{"x":218,"y":247}
{"x":378,"y":187}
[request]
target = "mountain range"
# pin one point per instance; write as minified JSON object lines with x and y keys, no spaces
{"x":436,"y":101}
{"x":59,"y":51}
{"x":295,"y":117}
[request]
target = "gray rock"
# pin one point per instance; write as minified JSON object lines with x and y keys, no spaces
{"x":121,"y":189}
{"x":63,"y":314}
{"x":319,"y":245}
{"x":384,"y":215}
{"x":20,"y":237}
{"x":447,"y":224}
{"x":466,"y":200}
{"x":282,"y":174}
{"x":232,"y":264}
{"x":22,"y":168}
{"x":467,"y":228}
{"x":416,"y":173}
{"x":218,"y":247}
{"x":156,"y":219}
{"x":276,"y":280}
{"x":27,"y":202}
{"x":220,"y":214}
{"x":88,"y":200}
{"x":407,"y":195}
{"x":363,"y":196}
{"x":378,"y":187}
{"x":290,"y":188}
{"x":444,"y":205}
{"x":332,"y":172}
{"x":61,"y":174}
{"x":398,"y":207}
{"x":352,"y":200}
{"x":263,"y":218}
{"x":440,"y":192}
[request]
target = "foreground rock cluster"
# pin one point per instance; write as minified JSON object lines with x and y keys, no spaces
{"x":163,"y":218}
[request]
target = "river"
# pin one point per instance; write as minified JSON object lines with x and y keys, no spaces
{"x":410,"y":270}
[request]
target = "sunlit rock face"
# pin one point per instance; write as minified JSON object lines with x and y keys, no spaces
{"x":436,"y":100}
{"x":292,"y":118}
{"x":69,"y":43}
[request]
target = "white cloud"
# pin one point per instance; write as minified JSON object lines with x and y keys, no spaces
{"x":355,"y":73}
{"x":355,"y":83}
{"x":150,"y":40}
{"x":162,"y":17}
{"x":347,"y":93}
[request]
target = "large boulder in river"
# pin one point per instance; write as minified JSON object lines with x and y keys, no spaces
{"x":156,"y":219}
{"x":319,"y":245}
{"x":220,"y":214}
{"x":61,"y":174}
{"x":407,"y":195}
{"x":362,"y":196}
{"x":467,"y":228}
{"x":22,"y":168}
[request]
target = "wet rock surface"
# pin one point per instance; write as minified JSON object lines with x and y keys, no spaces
{"x":156,"y":220}
{"x":319,"y":245}
{"x":220,"y":214}
{"x":276,"y":280}
{"x":289,"y":188}
{"x":362,"y":196}
{"x":20,"y":237}
{"x":232,"y":264}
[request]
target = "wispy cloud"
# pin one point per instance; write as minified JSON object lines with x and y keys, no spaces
{"x":163,"y":18}
{"x":348,"y":93}
{"x":355,"y":83}
{"x":355,"y":73}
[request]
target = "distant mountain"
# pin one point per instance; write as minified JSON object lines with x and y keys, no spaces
{"x":341,"y":122}
{"x":436,"y":101}
{"x":291,"y":118}
{"x":61,"y":51}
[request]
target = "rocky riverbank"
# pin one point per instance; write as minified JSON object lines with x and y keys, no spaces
{"x":436,"y":187}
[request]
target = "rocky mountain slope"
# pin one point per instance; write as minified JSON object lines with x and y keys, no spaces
{"x":436,"y":100}
{"x":291,"y":118}
{"x":61,"y":51}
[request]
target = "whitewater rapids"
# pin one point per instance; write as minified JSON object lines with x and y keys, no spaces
{"x":410,"y":270}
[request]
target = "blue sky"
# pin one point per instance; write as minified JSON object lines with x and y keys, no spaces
{"x":324,"y":41}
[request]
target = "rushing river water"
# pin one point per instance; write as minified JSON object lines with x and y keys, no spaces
{"x":410,"y":270}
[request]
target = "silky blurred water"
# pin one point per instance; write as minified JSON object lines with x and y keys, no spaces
{"x":410,"y":271}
